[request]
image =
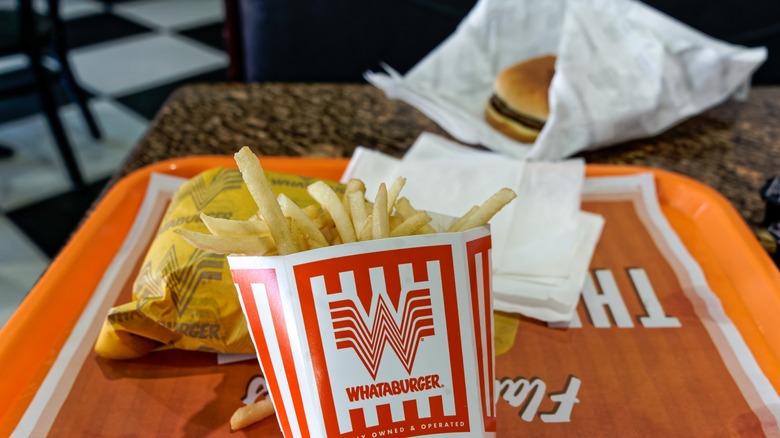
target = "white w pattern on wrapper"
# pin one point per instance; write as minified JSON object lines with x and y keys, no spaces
{"x":393,"y":339}
{"x":368,"y":333}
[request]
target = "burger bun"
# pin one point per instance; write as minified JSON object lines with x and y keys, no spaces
{"x":519,"y":106}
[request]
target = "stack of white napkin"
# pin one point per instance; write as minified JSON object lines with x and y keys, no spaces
{"x":542,"y":241}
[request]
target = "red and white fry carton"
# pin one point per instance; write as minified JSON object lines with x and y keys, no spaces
{"x":390,"y":337}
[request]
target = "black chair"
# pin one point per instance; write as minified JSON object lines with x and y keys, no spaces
{"x":37,"y":35}
{"x":338,"y":40}
{"x":334,"y":40}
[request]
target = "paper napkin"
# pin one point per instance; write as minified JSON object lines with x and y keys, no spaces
{"x":542,"y":241}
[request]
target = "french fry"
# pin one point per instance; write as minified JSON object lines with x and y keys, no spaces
{"x":307,"y":226}
{"x":366,"y":229}
{"x":250,"y":414}
{"x":330,"y":233}
{"x":299,"y":236}
{"x":395,"y":220}
{"x":357,"y":207}
{"x":325,"y":196}
{"x":260,"y":189}
{"x":393,"y":192}
{"x":489,"y":208}
{"x":255,"y":246}
{"x":405,"y":209}
{"x":324,"y":220}
{"x":353,"y":185}
{"x":461,"y":222}
{"x":369,"y":207}
{"x":320,"y":217}
{"x":234,"y":228}
{"x":312,"y":211}
{"x":411,"y":224}
{"x":313,"y":244}
{"x":380,"y":223}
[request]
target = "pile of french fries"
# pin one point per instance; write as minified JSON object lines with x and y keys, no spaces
{"x":281,"y":227}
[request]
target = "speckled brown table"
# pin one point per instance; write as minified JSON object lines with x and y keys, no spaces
{"x":734,"y":147}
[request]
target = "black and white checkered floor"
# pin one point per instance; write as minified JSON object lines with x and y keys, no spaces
{"x":129,"y":58}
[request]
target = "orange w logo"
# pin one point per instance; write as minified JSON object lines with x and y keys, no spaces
{"x":402,"y":329}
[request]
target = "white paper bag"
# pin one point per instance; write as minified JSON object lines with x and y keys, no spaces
{"x":624,"y":71}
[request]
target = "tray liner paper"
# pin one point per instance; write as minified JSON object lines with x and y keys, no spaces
{"x":651,"y":353}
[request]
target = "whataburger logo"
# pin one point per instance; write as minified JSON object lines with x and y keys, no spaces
{"x":373,"y":308}
{"x":368,"y":333}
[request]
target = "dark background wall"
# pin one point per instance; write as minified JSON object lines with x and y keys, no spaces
{"x":304,"y":40}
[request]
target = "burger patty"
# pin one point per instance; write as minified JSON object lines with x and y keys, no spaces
{"x":505,"y":111}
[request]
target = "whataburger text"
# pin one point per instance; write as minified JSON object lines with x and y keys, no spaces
{"x":394,"y":387}
{"x":280,"y":227}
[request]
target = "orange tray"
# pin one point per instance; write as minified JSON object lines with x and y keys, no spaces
{"x":737,"y":268}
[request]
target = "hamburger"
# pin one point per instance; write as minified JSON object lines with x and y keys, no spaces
{"x":519,"y":106}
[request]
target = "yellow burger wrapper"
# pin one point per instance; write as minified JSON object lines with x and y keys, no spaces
{"x":504,"y":331}
{"x":184,"y":297}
